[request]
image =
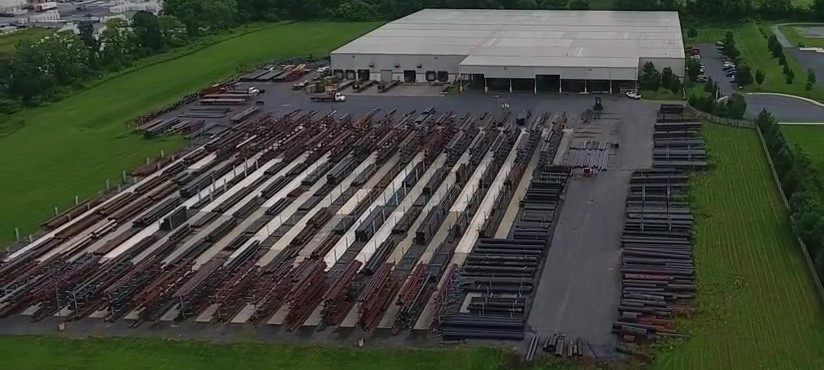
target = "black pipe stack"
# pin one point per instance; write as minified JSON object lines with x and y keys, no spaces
{"x":677,"y":139}
{"x":497,"y":279}
{"x":658,"y":274}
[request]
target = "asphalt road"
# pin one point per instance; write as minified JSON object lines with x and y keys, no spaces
{"x":809,"y":59}
{"x":784,"y":109}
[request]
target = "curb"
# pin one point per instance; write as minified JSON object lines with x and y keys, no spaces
{"x":808,"y":100}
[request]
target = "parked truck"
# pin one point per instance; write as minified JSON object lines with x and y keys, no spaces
{"x":329,"y":97}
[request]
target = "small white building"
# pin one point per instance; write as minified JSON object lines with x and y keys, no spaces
{"x":538,"y":50}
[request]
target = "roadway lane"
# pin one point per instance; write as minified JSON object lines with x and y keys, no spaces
{"x":785,"y":109}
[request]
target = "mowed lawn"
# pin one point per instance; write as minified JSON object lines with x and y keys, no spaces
{"x":46,"y":352}
{"x":810,"y":138}
{"x":757,"y":302}
{"x":71,"y":147}
{"x":753,"y":47}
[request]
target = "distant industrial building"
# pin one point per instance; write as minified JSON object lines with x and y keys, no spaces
{"x":517,"y":50}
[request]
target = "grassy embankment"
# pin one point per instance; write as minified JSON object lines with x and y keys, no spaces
{"x":44,"y":353}
{"x":71,"y":147}
{"x":758,"y":308}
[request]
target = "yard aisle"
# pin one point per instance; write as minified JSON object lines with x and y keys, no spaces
{"x":758,"y":306}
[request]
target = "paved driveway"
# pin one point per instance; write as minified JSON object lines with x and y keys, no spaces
{"x":785,"y":109}
{"x":809,"y":59}
{"x":712,"y":67}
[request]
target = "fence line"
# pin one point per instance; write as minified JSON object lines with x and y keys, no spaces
{"x":816,"y":279}
{"x":721,"y":120}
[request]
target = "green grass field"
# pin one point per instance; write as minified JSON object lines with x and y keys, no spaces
{"x":757,"y":305}
{"x":811,"y":140}
{"x":45,"y":352}
{"x":792,"y":34}
{"x":753,"y":47}
{"x":8,"y":42}
{"x":71,"y":147}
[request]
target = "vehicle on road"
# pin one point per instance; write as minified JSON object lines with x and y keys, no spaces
{"x":634,"y":95}
{"x":328,"y":97}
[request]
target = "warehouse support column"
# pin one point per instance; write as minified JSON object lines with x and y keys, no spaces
{"x":486,"y":88}
{"x":510,"y":85}
{"x":560,"y":85}
{"x":585,"y":86}
{"x":535,"y":86}
{"x":610,"y":87}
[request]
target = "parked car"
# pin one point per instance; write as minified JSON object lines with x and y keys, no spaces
{"x":695,"y":57}
{"x":719,"y":43}
{"x":634,"y":95}
{"x":701,"y":78}
{"x":731,"y":73}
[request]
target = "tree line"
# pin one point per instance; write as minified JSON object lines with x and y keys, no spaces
{"x":803,"y":185}
{"x":44,"y":69}
{"x":202,"y":15}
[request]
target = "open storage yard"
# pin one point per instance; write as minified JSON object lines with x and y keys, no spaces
{"x":396,"y":218}
{"x":68,"y":140}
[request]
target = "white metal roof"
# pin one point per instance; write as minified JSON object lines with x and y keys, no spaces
{"x":529,"y":37}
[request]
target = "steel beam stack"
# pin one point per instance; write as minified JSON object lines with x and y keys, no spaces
{"x":658,"y":274}
{"x":496,"y":281}
{"x":678,"y":141}
{"x":590,"y":154}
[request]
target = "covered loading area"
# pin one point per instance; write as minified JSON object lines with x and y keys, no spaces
{"x":551,"y":75}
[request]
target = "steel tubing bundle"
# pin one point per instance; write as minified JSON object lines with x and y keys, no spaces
{"x":678,"y":142}
{"x":309,"y":282}
{"x":341,"y":295}
{"x":377,"y":295}
{"x":462,"y":326}
{"x":658,"y":274}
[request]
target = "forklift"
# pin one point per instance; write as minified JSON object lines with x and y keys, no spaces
{"x":598,"y":106}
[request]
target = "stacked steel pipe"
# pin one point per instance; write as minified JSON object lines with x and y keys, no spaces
{"x":678,"y":141}
{"x":658,"y":274}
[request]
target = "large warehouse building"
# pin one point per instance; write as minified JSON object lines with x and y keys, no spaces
{"x":517,"y":50}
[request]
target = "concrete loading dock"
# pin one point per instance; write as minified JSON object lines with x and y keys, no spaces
{"x":517,"y":50}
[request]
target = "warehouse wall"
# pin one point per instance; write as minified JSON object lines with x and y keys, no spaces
{"x":398,"y":63}
{"x":566,"y":73}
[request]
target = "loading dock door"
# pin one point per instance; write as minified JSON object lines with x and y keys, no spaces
{"x":409,"y":76}
{"x":363,"y":75}
{"x":547,"y":83}
{"x":386,"y":75}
